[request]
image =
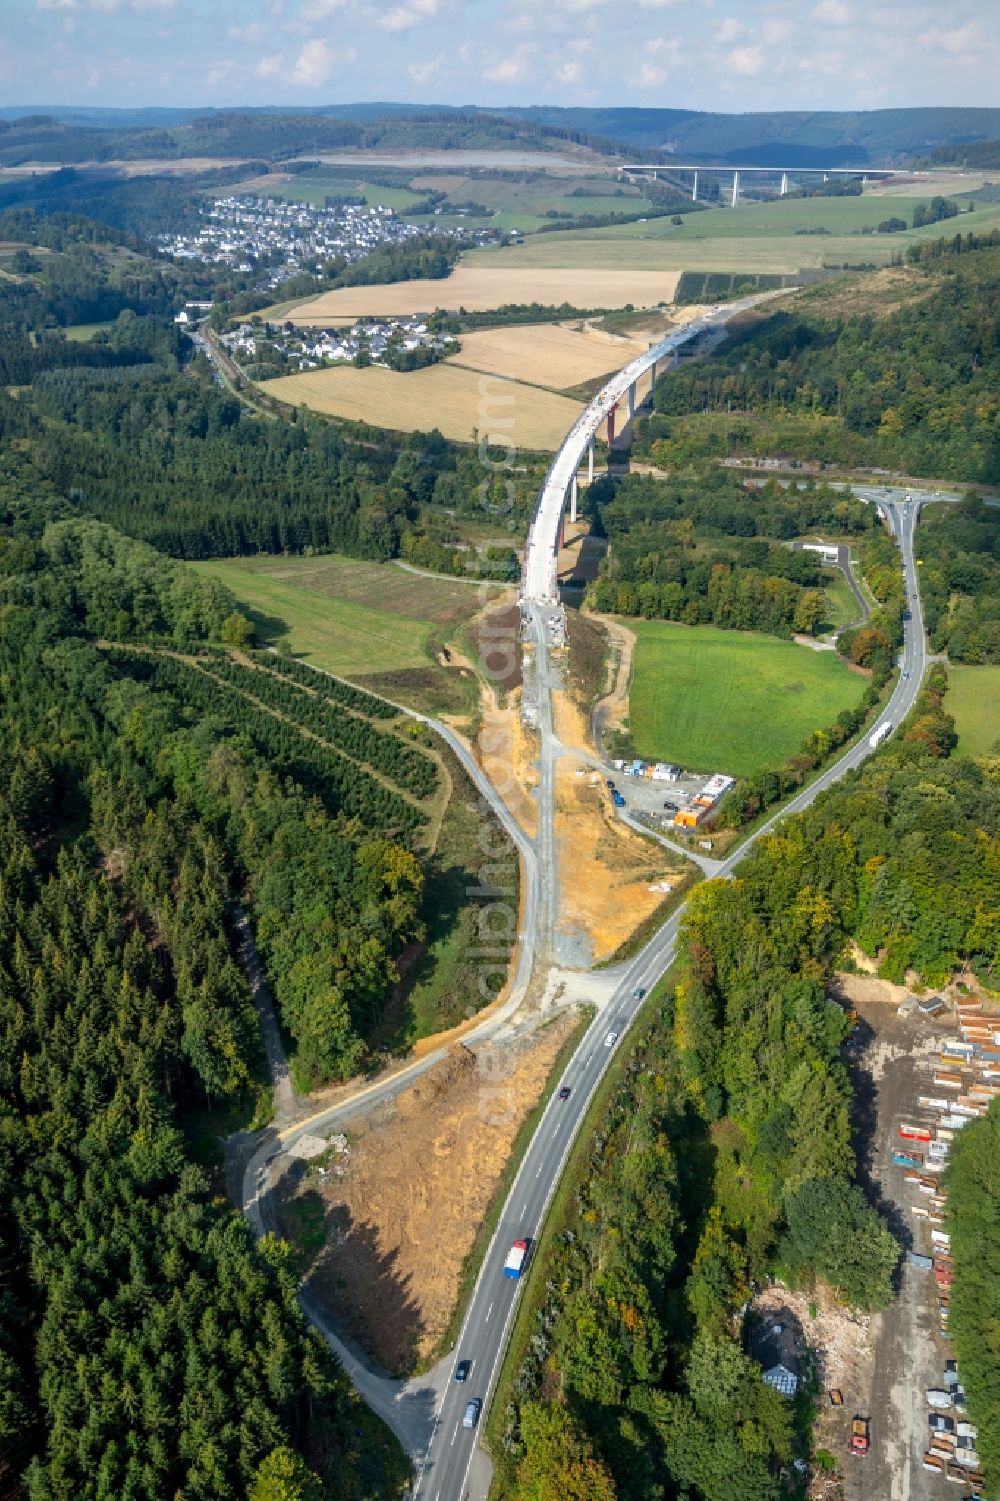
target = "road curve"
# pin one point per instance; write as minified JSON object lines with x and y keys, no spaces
{"x":452,"y":1468}
{"x":426,"y":1414}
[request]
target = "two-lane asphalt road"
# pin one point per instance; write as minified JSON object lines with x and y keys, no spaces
{"x":452,"y":1469}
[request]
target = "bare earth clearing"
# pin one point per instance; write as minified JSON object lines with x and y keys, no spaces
{"x":399,"y":1211}
{"x":484,"y":286}
{"x":459,"y":403}
{"x":612,"y":879}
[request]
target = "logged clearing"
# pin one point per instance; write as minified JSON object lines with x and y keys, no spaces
{"x":461,"y":404}
{"x":611,"y":879}
{"x":486,"y":284}
{"x":392,"y":1223}
{"x":546,"y":354}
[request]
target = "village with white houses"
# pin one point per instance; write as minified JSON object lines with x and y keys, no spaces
{"x":400,"y":343}
{"x":284,"y":238}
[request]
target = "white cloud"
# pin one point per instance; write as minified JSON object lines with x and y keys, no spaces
{"x":775,"y":30}
{"x":825,"y":64}
{"x":270,"y":67}
{"x":832,"y":12}
{"x":957,"y":41}
{"x":650,"y":76}
{"x":729,"y":30}
{"x":411,"y":13}
{"x":745,"y":62}
{"x":220,"y":71}
{"x":140,"y":7}
{"x":509,"y":69}
{"x":252,"y":33}
{"x":570,"y":72}
{"x":319,"y":10}
{"x":668,"y":48}
{"x":423,"y":72}
{"x":311,"y":69}
{"x":657,"y":4}
{"x":314,"y":64}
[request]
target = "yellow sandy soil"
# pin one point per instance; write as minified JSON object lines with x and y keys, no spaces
{"x":401,"y":1210}
{"x":507,"y":756}
{"x":605,"y":869}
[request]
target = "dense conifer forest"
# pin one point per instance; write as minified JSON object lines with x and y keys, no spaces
{"x":148,"y":1347}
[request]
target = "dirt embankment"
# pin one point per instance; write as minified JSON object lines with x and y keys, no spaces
{"x":389,"y":1222}
{"x":610,"y":878}
{"x":507,"y":756}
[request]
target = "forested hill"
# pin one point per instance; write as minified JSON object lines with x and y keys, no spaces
{"x":273,"y":136}
{"x":785,"y":137}
{"x":147,"y":1347}
{"x":130,"y":426}
{"x":899,"y":370}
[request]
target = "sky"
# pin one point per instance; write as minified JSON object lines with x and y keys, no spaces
{"x":712,"y":54}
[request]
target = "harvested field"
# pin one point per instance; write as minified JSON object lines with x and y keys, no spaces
{"x":546,"y":354}
{"x":459,"y":403}
{"x":391,"y":1224}
{"x":485,"y":285}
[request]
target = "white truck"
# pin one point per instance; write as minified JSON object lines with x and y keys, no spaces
{"x":880,"y":734}
{"x":516,"y":1258}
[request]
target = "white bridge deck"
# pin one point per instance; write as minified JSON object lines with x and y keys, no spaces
{"x":539,"y":578}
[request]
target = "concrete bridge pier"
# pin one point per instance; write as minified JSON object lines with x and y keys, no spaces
{"x":784,"y":184}
{"x":590,"y":462}
{"x":652,"y":377}
{"x":694,"y":189}
{"x":736,"y":189}
{"x":572,"y":499}
{"x":631,"y":401}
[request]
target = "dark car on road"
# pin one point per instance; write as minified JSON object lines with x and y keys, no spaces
{"x":462,"y":1370}
{"x":564,"y":1092}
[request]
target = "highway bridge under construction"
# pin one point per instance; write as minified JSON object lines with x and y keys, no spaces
{"x":560,"y":484}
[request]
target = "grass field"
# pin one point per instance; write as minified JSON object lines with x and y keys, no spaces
{"x":460,"y":403}
{"x":489,"y":283}
{"x":82,"y":333}
{"x":973,"y":699}
{"x":730,"y":701}
{"x":350,"y":617}
{"x":756,"y":237}
{"x":546,"y":354}
{"x":844,"y":606}
{"x":314,"y":187}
